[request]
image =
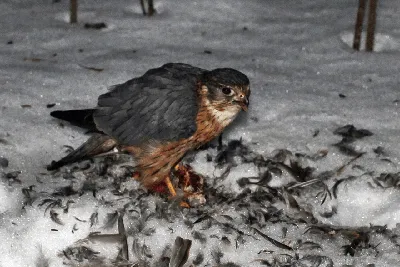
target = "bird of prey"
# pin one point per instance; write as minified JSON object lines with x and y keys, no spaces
{"x":160,"y":116}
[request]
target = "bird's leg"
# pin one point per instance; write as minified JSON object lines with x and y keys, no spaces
{"x":190,"y":182}
{"x":183,"y":172}
{"x":171,"y":188}
{"x":172,"y":191}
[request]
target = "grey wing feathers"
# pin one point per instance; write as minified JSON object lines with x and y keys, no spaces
{"x":160,"y":105}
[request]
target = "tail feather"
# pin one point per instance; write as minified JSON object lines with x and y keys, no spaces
{"x":96,"y":144}
{"x":79,"y":117}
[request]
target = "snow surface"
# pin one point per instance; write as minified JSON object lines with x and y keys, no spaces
{"x":298,"y":57}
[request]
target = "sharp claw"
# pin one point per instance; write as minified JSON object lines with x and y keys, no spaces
{"x":170,"y":186}
{"x":136,"y":175}
{"x":184,"y":204}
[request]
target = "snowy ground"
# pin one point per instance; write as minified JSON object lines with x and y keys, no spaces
{"x":306,"y":83}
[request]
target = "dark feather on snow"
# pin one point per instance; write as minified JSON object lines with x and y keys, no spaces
{"x":281,"y":155}
{"x":301,"y":174}
{"x":3,"y":162}
{"x":12,"y":175}
{"x":52,"y":203}
{"x":346,"y":149}
{"x":217,"y":255}
{"x":329,"y":214}
{"x":80,"y":253}
{"x":350,"y":131}
{"x":29,"y":195}
{"x":227,"y":153}
{"x":110,"y":220}
{"x":142,"y":252}
{"x":54,"y":217}
{"x":94,"y":219}
{"x":229,"y":264}
{"x":380,"y":151}
{"x":180,"y":252}
{"x":199,"y":236}
{"x":65,"y":191}
{"x":336,"y":185}
{"x":388,"y":180}
{"x":271,"y":240}
{"x":308,"y":245}
{"x":225,"y":240}
{"x":198,"y":259}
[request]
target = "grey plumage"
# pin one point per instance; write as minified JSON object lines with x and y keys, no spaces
{"x":162,"y":104}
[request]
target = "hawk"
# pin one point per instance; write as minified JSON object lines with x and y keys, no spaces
{"x":160,"y":116}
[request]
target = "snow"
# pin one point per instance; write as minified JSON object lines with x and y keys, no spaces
{"x":298,"y":58}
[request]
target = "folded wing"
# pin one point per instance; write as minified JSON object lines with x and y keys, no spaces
{"x":161,"y":105}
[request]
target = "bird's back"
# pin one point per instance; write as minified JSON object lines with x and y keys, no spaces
{"x":160,"y":105}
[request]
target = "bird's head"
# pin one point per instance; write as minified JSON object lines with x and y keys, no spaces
{"x":227,"y":89}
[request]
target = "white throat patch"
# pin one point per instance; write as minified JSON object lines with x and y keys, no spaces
{"x":226,"y":116}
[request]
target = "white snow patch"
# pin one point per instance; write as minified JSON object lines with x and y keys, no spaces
{"x":383,"y":42}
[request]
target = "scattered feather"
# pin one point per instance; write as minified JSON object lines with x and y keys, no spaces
{"x":3,"y":162}
{"x":198,"y":259}
{"x":217,"y":255}
{"x":271,"y":240}
{"x":380,"y":151}
{"x":54,"y":217}
{"x":96,"y":26}
{"x":308,"y":245}
{"x":110,"y":220}
{"x":199,"y":236}
{"x":91,"y":68}
{"x":350,"y":131}
{"x":180,"y":252}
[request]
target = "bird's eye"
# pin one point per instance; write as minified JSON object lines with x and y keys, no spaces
{"x":226,"y":90}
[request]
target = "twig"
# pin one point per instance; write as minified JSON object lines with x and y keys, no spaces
{"x":151,"y":10}
{"x":369,"y":42}
{"x":341,"y":169}
{"x":273,"y":241}
{"x":359,"y":23}
{"x":73,"y":15}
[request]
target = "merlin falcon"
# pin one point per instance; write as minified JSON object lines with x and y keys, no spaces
{"x":159,"y":117}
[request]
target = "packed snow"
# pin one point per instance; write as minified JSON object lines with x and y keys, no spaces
{"x":333,"y":195}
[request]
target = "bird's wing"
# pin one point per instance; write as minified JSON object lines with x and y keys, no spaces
{"x":161,"y":105}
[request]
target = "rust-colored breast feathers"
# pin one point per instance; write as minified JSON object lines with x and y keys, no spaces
{"x":156,"y":159}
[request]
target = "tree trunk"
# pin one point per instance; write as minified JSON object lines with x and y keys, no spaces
{"x":359,"y":24}
{"x":369,"y":42}
{"x":73,"y":15}
{"x":142,"y":5}
{"x":151,"y":8}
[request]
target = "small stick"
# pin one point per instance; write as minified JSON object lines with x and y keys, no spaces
{"x":359,"y":24}
{"x":369,"y":42}
{"x":73,"y":15}
{"x":340,"y":170}
{"x":143,"y":7}
{"x":151,"y":10}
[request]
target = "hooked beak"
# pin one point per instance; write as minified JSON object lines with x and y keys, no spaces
{"x":243,"y":103}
